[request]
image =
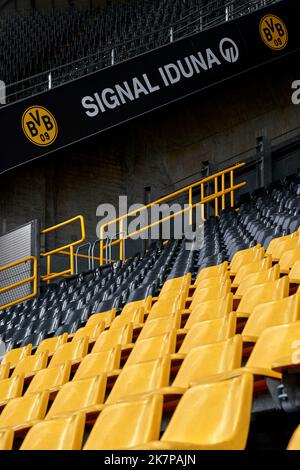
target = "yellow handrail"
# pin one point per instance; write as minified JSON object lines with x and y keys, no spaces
{"x":32,"y":279}
{"x":62,"y":249}
{"x":203,"y":200}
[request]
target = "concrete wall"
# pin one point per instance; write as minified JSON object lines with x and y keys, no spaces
{"x":156,"y":150}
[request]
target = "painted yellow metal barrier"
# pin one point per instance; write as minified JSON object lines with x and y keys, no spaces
{"x":63,"y":250}
{"x":31,"y":279}
{"x":218,"y":180}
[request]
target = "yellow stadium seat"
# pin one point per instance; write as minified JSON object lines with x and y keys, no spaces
{"x":294,"y":443}
{"x":261,"y":277}
{"x":209,"y":359}
{"x":205,"y":361}
{"x":152,"y":348}
{"x":21,"y":413}
{"x":177,"y":286}
{"x":160,"y":326}
{"x":112,"y":337}
{"x":4,"y":370}
{"x":277,"y":347}
{"x":52,"y":344}
{"x":212,"y":271}
{"x":6,"y":439}
{"x":210,"y":293}
{"x":215,"y":282}
{"x":10,"y":388}
{"x":31,"y":364}
{"x":82,"y":395}
{"x":294,"y":275}
{"x":249,"y":268}
{"x":92,"y":332}
{"x":276,"y":242}
{"x":141,"y":419}
{"x":210,"y":310}
{"x":107,"y":317}
{"x":65,"y":433}
{"x":279,"y":312}
{"x":140,"y":378}
{"x":166,"y":306}
{"x":50,"y":379}
{"x":246,"y":256}
{"x":134,"y":306}
{"x":73,"y":352}
{"x":212,"y":416}
{"x":282,"y":246}
{"x":15,"y":355}
{"x":98,"y":363}
{"x":135,"y":317}
{"x":207,"y":332}
{"x":176,"y":283}
{"x":262,"y":293}
{"x":288,"y":259}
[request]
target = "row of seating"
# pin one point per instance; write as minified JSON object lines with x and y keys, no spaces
{"x":68,"y":305}
{"x":268,"y":213}
{"x":182,"y":370}
{"x":77,"y":41}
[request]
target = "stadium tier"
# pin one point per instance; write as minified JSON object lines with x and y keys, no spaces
{"x":163,"y":342}
{"x":72,"y":43}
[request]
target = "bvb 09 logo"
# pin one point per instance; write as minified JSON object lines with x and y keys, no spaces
{"x":273,"y":32}
{"x":39,"y":126}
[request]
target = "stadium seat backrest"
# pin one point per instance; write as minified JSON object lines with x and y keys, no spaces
{"x":207,"y":332}
{"x":213,"y":271}
{"x":65,"y":433}
{"x":160,"y":326}
{"x":98,"y":363}
{"x":135,"y":317}
{"x":284,"y":245}
{"x":209,"y":359}
{"x":140,"y":378}
{"x":261,"y":277}
{"x":279,"y":312}
{"x":288,"y":259}
{"x":15,"y":355}
{"x":210,"y":310}
{"x":152,"y":348}
{"x":50,"y":379}
{"x":112,"y":337}
{"x":73,"y":351}
{"x":140,"y":418}
{"x":294,"y":443}
{"x":294,"y":274}
{"x":246,"y":256}
{"x":276,"y":345}
{"x":213,"y":416}
{"x":107,"y":317}
{"x":262,"y":293}
{"x":78,"y":396}
{"x":52,"y":344}
{"x":254,"y":267}
{"x":210,"y":293}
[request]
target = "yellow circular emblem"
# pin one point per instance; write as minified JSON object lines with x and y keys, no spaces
{"x":39,"y":126}
{"x":273,"y":32}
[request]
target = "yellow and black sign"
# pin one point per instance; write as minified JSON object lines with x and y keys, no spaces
{"x":39,"y":126}
{"x":273,"y":32}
